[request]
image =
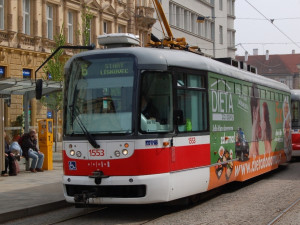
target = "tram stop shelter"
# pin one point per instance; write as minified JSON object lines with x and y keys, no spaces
{"x":25,"y":87}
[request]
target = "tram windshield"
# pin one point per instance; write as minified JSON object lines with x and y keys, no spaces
{"x":98,"y":96}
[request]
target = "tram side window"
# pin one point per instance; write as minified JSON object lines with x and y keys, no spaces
{"x":263,"y":94}
{"x":268,"y":95}
{"x":238,"y":89}
{"x":230,"y":87}
{"x":156,"y":102}
{"x":295,"y":114}
{"x":192,"y":100}
{"x":245,"y":90}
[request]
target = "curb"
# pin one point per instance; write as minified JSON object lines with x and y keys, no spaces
{"x":21,"y":213}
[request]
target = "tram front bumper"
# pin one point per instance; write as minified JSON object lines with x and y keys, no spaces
{"x":144,"y":189}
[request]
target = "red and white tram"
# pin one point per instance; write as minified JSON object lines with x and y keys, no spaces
{"x":146,"y":125}
{"x":296,"y":122}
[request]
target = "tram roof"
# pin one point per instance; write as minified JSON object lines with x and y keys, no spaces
{"x":296,"y":94}
{"x":160,"y":59}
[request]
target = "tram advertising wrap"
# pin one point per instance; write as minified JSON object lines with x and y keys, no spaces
{"x":250,"y":127}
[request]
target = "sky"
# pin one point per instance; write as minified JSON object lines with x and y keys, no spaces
{"x":254,"y":31}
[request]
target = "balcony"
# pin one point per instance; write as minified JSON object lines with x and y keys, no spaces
{"x":144,"y":16}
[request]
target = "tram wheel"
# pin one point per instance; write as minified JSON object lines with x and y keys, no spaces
{"x":194,"y":199}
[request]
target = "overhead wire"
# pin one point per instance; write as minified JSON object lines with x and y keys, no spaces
{"x":272,"y":22}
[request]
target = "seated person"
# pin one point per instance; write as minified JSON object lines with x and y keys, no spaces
{"x":9,"y":159}
{"x":148,"y":109}
{"x":15,"y":148}
{"x":30,"y":150}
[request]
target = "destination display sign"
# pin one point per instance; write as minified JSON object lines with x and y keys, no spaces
{"x":108,"y":67}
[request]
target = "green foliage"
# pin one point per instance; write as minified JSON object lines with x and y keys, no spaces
{"x":19,"y":122}
{"x":86,"y":24}
{"x":55,"y":67}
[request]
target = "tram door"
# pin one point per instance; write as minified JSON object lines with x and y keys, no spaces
{"x":189,"y":147}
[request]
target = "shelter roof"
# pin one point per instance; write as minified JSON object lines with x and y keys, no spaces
{"x":17,"y":86}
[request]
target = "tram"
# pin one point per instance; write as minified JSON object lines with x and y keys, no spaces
{"x":296,"y":122}
{"x":150,"y":125}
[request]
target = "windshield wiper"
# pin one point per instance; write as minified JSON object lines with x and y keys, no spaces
{"x":90,"y":138}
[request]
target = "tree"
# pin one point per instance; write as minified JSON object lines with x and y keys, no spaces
{"x":54,"y":69}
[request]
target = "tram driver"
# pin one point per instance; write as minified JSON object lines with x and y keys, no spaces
{"x":148,"y":109}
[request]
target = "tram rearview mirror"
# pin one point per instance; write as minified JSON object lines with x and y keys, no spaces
{"x":39,"y":89}
{"x":178,"y":117}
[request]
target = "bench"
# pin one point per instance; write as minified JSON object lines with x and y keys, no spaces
{"x":23,"y":164}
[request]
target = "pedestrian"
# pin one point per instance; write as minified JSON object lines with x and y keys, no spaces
{"x":30,"y":150}
{"x":15,"y":148}
{"x":9,"y":159}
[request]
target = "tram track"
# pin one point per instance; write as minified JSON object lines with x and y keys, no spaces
{"x":77,"y":216}
{"x":284,"y":212}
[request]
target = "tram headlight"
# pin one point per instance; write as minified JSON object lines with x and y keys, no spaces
{"x":72,"y":152}
{"x":124,"y":151}
{"x":78,"y":154}
{"x":117,"y":153}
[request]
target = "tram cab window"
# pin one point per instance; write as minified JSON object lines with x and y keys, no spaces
{"x":156,"y":102}
{"x":192,"y":101}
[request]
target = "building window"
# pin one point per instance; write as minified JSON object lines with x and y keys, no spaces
{"x":221,"y":34}
{"x":231,"y":38}
{"x":26,"y":17}
{"x":230,"y":7}
{"x":171,"y":14}
{"x":221,"y":5}
{"x":194,"y":23}
{"x":104,"y":27}
{"x":186,"y":20}
{"x":2,"y":72}
{"x":200,"y":29}
{"x":282,"y":80}
{"x":49,"y":22}
{"x":70,"y":27}
{"x":121,"y":29}
{"x":1,"y":14}
{"x":178,"y":16}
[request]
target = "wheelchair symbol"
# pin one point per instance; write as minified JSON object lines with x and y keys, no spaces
{"x":72,"y":165}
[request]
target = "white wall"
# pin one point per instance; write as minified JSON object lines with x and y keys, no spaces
{"x":208,"y":44}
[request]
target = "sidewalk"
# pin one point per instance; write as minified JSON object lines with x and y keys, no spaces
{"x":32,"y":193}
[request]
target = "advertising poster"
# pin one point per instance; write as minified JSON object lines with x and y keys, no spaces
{"x":250,"y":126}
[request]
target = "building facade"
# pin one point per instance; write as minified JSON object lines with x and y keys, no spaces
{"x":283,"y":68}
{"x":215,"y":35}
{"x":28,"y":28}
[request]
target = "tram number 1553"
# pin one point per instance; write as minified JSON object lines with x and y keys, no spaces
{"x":96,"y":152}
